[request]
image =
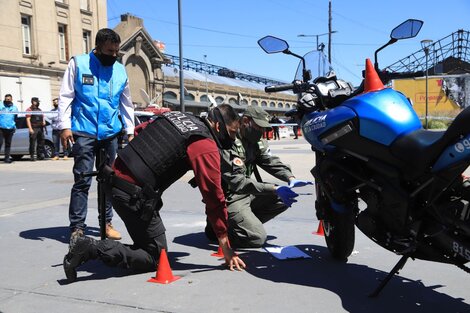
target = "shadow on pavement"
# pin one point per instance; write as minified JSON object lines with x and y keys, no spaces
{"x":352,"y":283}
{"x":59,"y":233}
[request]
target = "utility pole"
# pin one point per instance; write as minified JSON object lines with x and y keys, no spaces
{"x":180,"y":42}
{"x":329,"y":31}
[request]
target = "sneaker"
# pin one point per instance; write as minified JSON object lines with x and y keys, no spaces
{"x":55,"y":158}
{"x":111,"y":233}
{"x":66,"y":157}
{"x":80,"y":251}
{"x":8,"y":160}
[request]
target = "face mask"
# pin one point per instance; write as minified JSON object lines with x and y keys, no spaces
{"x":7,"y":103}
{"x":251,"y":134}
{"x":222,"y":135}
{"x":106,"y":59}
{"x":224,"y":139}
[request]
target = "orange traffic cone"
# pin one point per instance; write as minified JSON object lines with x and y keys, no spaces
{"x":320,"y":231}
{"x":219,"y":253}
{"x":164,"y":274}
{"x":372,"y":80}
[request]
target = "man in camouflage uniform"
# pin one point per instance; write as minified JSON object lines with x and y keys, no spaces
{"x":250,"y":201}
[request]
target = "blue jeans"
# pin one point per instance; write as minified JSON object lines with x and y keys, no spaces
{"x":85,"y":151}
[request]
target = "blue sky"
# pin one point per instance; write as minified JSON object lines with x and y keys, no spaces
{"x":227,"y":31}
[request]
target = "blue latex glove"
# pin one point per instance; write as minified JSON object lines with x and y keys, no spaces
{"x":299,"y":183}
{"x":286,"y":194}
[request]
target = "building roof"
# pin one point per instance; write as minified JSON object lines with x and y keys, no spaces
{"x":170,"y":71}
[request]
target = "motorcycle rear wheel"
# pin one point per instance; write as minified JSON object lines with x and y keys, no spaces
{"x":339,"y":234}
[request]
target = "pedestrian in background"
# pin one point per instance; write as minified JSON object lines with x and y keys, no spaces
{"x":7,"y":124}
{"x":275,"y":120}
{"x":94,"y":92}
{"x":56,"y":132}
{"x":35,"y":123}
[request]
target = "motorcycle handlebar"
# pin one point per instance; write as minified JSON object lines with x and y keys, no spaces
{"x":386,"y":76}
{"x":279,"y":88}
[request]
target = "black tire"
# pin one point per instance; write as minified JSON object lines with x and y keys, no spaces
{"x":48,"y":150}
{"x":339,"y":232}
{"x":16,"y":157}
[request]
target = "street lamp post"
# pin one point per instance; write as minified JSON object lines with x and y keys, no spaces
{"x":425,"y":44}
{"x":207,"y":87}
{"x":316,"y":36}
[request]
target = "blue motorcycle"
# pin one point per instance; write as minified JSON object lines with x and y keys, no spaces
{"x":370,"y":145}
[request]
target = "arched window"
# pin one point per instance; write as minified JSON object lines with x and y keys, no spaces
{"x":254,"y":103}
{"x":204,"y":98}
{"x":169,"y":95}
{"x":219,"y":100}
{"x":189,"y":96}
{"x":264,"y":104}
{"x":232,"y":101}
{"x":287,"y":106}
{"x":272,"y":104}
{"x":279,"y":105}
{"x":244,"y":102}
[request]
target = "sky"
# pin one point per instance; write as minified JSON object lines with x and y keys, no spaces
{"x":227,"y":31}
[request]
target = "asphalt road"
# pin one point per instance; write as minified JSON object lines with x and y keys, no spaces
{"x":34,"y":234}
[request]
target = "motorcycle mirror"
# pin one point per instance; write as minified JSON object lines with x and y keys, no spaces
{"x":408,"y":29}
{"x":272,"y":44}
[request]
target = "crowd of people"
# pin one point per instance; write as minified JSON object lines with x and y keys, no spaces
{"x":36,"y":125}
{"x":223,"y":150}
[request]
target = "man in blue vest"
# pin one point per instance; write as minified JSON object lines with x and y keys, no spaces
{"x":7,"y":124}
{"x":94,"y":92}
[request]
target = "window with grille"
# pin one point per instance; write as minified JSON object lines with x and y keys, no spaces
{"x":63,"y":45}
{"x":86,"y":41}
{"x":26,"y":32}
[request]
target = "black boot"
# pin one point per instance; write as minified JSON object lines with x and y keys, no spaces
{"x":81,"y":250}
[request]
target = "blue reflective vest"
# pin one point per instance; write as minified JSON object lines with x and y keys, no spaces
{"x":7,"y":120}
{"x":95,"y":108}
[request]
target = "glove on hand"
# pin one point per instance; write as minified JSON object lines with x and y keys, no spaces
{"x":299,"y":183}
{"x":286,"y":194}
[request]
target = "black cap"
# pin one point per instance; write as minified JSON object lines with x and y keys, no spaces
{"x":36,"y":99}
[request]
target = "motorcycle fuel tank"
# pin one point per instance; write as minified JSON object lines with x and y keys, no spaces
{"x":316,"y":124}
{"x":384,"y":115}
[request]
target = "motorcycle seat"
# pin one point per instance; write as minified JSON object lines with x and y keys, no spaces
{"x":421,"y":148}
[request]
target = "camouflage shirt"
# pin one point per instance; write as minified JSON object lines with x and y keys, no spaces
{"x":237,"y":165}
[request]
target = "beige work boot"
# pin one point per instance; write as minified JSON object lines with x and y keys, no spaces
{"x":111,"y":233}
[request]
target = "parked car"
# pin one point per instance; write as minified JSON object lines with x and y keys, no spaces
{"x":139,"y":118}
{"x":20,"y":141}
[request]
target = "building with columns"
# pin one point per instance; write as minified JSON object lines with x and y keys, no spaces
{"x":158,"y":75}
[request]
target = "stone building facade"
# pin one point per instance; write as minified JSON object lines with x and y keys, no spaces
{"x":37,"y":39}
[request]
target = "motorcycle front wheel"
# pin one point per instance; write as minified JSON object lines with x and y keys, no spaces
{"x":339,"y":234}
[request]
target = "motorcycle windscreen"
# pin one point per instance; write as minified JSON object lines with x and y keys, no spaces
{"x":384,"y":115}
